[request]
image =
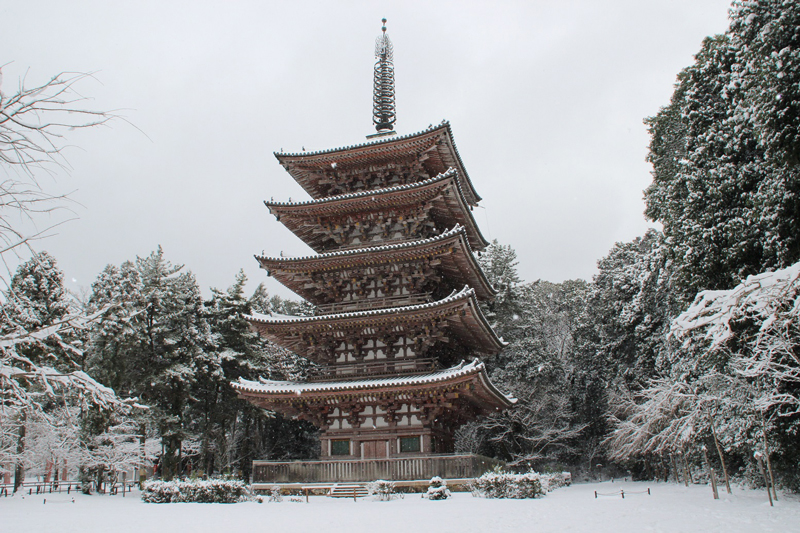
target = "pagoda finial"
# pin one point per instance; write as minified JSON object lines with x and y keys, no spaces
{"x":383,"y":109}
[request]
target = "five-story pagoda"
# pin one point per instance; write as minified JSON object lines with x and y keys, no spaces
{"x":398,"y":333}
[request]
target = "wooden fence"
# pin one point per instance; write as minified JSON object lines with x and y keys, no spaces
{"x":393,"y":469}
{"x":50,"y":487}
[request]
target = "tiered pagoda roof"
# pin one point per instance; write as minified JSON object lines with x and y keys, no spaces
{"x":465,"y":381}
{"x":460,"y":310}
{"x":433,"y":148}
{"x":449,"y":207}
{"x":450,"y":249}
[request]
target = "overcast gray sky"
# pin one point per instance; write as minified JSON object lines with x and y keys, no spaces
{"x":546,"y":100}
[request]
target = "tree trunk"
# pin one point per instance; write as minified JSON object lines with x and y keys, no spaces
{"x":170,"y":458}
{"x":711,"y":475}
{"x":764,"y":475}
{"x":769,"y":462}
{"x":142,"y":442}
{"x":687,"y":475}
{"x":205,"y":455}
{"x":676,"y":469}
{"x":99,"y":485}
{"x":19,"y":469}
{"x":721,"y":458}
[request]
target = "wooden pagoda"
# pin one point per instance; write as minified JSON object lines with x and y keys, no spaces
{"x":398,"y":333}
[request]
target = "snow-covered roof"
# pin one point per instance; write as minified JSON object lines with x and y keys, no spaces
{"x":445,"y":190}
{"x":384,"y":140}
{"x":374,"y":249}
{"x":461,"y":267}
{"x":451,"y":172}
{"x":385,"y":144}
{"x":460,"y":309}
{"x":267,"y":386}
{"x":466,"y":292}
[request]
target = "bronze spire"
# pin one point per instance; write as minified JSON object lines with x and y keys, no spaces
{"x":383,"y":107}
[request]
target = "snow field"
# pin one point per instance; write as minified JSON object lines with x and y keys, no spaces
{"x":670,"y":508}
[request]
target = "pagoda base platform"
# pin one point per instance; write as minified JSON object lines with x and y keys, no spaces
{"x":417,"y":467}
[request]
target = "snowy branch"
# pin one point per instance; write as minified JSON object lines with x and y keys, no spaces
{"x":33,"y":120}
{"x":762,"y":315}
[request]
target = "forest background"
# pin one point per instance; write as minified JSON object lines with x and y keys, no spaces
{"x":681,"y":354}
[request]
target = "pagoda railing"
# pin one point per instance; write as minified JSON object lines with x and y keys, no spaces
{"x":373,"y":303}
{"x":447,"y":466}
{"x":385,"y":368}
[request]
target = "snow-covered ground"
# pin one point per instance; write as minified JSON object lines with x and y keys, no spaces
{"x":669,"y":508}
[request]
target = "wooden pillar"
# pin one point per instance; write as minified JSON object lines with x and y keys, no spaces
{"x":325,"y":448}
{"x":427,"y":445}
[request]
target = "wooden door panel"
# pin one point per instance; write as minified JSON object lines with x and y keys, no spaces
{"x":374,"y":449}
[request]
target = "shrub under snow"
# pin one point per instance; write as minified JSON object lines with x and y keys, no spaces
{"x":198,"y":491}
{"x":275,"y":494}
{"x":382,"y":490}
{"x":437,"y":489}
{"x":550,"y":482}
{"x":499,"y":484}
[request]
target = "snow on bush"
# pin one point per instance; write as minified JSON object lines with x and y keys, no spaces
{"x":382,"y":490}
{"x":551,"y":482}
{"x":197,"y":491}
{"x":499,"y":484}
{"x":437,"y":489}
{"x":275,"y":494}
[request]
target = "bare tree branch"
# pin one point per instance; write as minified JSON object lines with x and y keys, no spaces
{"x":34,"y":124}
{"x":33,"y":121}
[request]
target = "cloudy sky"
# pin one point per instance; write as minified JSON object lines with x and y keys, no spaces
{"x":546,"y":100}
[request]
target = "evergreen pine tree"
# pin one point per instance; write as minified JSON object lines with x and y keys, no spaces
{"x":499,"y":264}
{"x":37,"y":299}
{"x":726,"y":172}
{"x":152,"y":342}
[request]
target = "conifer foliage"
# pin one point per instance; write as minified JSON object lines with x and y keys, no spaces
{"x":726,"y":162}
{"x":538,"y":321}
{"x":726,"y":177}
{"x":42,"y":379}
{"x":160,"y":342}
{"x":166,"y":340}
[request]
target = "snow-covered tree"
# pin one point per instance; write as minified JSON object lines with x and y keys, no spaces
{"x":114,"y":341}
{"x":41,"y":329}
{"x":619,"y":337}
{"x":630,"y":307}
{"x":733,"y":378}
{"x":536,"y":368}
{"x":499,"y":264}
{"x":752,"y":333}
{"x":35,"y":300}
{"x":726,"y":187}
{"x":755,"y":329}
{"x":244,"y":432}
{"x":151,"y":342}
{"x":726,"y":172}
{"x":160,"y":342}
{"x":41,"y":362}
